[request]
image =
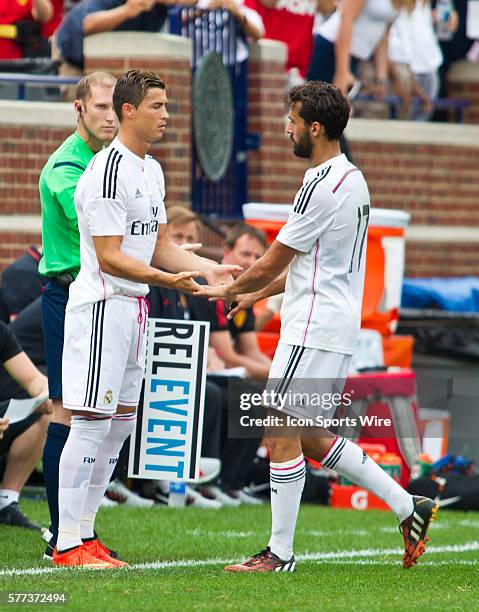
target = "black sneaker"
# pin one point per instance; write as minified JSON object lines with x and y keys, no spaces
{"x":48,"y":554}
{"x":12,"y":515}
{"x":414,"y":529}
{"x":264,"y":561}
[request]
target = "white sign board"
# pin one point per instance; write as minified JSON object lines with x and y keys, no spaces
{"x":166,"y":443}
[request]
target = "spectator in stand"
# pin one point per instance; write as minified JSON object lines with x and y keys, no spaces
{"x":353,"y":33}
{"x":22,"y":442}
{"x":249,"y":20}
{"x":95,"y":16}
{"x":415,"y":57}
{"x":20,"y":27}
{"x":291,"y":22}
{"x":453,"y":50}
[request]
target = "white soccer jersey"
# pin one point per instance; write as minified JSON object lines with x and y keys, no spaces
{"x":328,"y":226}
{"x":119,"y":194}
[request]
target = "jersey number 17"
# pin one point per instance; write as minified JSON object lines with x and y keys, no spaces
{"x":360,"y":238}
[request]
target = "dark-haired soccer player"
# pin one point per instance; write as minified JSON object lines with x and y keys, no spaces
{"x":123,"y":241}
{"x":60,"y":262}
{"x":323,"y":246}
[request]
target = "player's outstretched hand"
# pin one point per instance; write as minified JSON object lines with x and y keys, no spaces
{"x":243,"y":302}
{"x":191,"y":246}
{"x":215,"y":292}
{"x":183,"y":282}
{"x":221,"y":274}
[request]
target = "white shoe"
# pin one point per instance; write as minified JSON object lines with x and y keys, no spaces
{"x":223,"y":497}
{"x":118,"y":490}
{"x":107,"y":503}
{"x":194,"y":498}
{"x":246,"y":498}
{"x":209,"y":470}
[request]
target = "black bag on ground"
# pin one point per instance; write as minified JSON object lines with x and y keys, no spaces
{"x":454,"y":491}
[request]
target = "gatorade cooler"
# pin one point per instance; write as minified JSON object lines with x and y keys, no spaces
{"x":391,"y":464}
{"x":384,"y":259}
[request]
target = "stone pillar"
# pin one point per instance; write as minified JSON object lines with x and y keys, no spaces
{"x":274,"y":173}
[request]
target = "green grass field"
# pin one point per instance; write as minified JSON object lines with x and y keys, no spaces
{"x":347,"y":560}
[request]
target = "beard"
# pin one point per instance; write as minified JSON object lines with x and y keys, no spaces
{"x":303,"y":147}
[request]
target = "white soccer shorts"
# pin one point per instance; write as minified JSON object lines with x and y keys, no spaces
{"x":104,"y":355}
{"x":309,"y":381}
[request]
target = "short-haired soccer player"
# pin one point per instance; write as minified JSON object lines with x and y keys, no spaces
{"x":323,"y":247}
{"x":123,"y":242}
{"x":96,"y":127}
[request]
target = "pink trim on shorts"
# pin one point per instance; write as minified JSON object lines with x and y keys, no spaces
{"x":143,"y":311}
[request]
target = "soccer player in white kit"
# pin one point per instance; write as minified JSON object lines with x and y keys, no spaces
{"x":123,"y":242}
{"x":322,"y":246}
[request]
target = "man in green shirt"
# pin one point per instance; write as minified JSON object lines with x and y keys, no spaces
{"x":60,"y":263}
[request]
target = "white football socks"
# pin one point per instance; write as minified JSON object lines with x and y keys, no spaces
{"x":105,"y":462}
{"x":7,"y":497}
{"x":75,"y":470}
{"x":287,"y":483}
{"x":349,"y":460}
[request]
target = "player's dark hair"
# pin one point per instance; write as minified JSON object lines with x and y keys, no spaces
{"x":84,"y":85}
{"x":132,"y":88}
{"x":240,"y":229}
{"x":323,"y":103}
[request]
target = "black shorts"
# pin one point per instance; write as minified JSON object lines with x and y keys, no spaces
{"x":15,"y":430}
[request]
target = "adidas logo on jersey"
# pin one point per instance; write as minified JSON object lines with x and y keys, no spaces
{"x":365,"y":457}
{"x":138,"y":194}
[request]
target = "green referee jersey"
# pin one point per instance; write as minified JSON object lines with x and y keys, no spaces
{"x":58,"y":181}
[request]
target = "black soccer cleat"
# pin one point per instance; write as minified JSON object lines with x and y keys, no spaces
{"x":264,"y":561}
{"x":414,"y":529}
{"x":13,"y":516}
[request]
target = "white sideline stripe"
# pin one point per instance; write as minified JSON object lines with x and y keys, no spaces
{"x":340,"y":556}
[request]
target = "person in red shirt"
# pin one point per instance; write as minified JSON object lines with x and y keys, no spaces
{"x":14,"y":11}
{"x":291,"y":22}
{"x":49,"y":27}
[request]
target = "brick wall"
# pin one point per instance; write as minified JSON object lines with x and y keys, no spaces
{"x":274,"y":174}
{"x":442,"y":258}
{"x":14,"y":244}
{"x":437,"y":184}
{"x":23,"y":153}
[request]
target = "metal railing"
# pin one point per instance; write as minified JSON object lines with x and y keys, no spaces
{"x":36,"y":80}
